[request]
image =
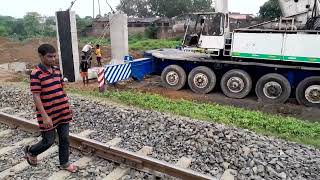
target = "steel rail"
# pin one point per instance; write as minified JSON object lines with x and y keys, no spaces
{"x":108,"y":152}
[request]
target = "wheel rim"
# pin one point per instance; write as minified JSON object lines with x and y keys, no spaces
{"x":172,"y":78}
{"x":272,"y":90}
{"x":235,"y":84}
{"x":200,"y":80}
{"x":312,"y":94}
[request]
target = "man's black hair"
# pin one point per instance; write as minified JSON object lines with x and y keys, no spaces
{"x":98,"y":45}
{"x":45,"y":49}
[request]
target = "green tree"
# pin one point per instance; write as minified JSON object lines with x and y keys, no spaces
{"x":270,"y":10}
{"x":3,"y":31}
{"x":151,"y":31}
{"x":6,"y":23}
{"x":51,"y":20}
{"x":135,"y":8}
{"x":49,"y":31}
{"x":32,"y":24}
{"x":202,"y":6}
{"x":18,"y":29}
{"x":83,"y":23}
{"x":169,"y":8}
{"x":29,"y":26}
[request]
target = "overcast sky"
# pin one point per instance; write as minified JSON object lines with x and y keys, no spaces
{"x":18,"y":8}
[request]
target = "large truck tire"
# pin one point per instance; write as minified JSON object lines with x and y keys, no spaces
{"x":273,"y":88}
{"x":174,"y":77}
{"x":236,"y":84}
{"x":308,"y":92}
{"x":202,"y":80}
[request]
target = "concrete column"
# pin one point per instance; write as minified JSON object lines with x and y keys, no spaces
{"x":119,"y":38}
{"x":67,"y":41}
{"x":75,"y":46}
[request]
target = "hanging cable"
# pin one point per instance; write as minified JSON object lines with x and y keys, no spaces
{"x":72,"y":3}
{"x":113,"y":12}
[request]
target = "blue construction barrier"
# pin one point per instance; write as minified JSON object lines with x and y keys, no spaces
{"x":115,"y":73}
{"x":136,"y":69}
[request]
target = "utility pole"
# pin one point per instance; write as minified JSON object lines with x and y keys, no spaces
{"x":99,"y":7}
{"x":93,"y":10}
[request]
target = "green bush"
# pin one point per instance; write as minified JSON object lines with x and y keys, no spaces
{"x":151,"y":32}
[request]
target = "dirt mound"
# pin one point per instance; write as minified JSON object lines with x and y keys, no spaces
{"x":15,"y":51}
{"x":26,"y":51}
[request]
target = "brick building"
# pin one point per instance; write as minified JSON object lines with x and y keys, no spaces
{"x":135,"y":25}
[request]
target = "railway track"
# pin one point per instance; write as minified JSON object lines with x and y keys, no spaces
{"x":95,"y":160}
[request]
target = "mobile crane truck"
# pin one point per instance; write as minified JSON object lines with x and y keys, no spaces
{"x":277,"y":59}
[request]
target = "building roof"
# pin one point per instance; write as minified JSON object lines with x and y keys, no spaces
{"x":143,"y":20}
{"x":239,"y":16}
{"x":136,"y":20}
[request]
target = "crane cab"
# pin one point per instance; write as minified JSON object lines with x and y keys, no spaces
{"x":206,"y":33}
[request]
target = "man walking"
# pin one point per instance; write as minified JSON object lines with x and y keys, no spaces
{"x":52,"y":107}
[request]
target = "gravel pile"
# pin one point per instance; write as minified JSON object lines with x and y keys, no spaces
{"x":214,"y":148}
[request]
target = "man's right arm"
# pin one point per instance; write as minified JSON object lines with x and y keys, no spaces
{"x":47,"y":121}
{"x":35,"y":86}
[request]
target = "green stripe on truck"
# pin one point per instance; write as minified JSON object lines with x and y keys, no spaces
{"x":276,"y":57}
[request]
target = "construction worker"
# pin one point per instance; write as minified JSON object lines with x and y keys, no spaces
{"x":87,"y":50}
{"x":84,"y":65}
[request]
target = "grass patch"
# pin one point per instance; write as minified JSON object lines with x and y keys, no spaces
{"x":137,"y":42}
{"x":283,"y":127}
{"x":94,"y":40}
{"x":153,"y":44}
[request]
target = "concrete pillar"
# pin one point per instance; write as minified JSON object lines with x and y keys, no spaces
{"x":67,"y":41}
{"x":119,"y":38}
{"x":75,"y":46}
{"x":221,"y":6}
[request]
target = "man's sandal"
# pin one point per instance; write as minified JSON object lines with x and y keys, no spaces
{"x":69,"y":167}
{"x":32,"y":160}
